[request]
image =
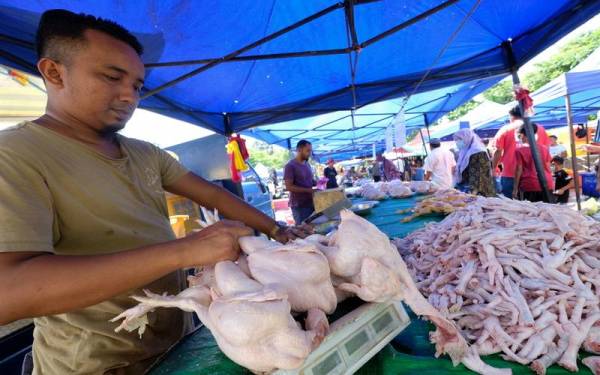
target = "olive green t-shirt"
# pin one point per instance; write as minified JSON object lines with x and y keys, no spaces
{"x":58,"y":195}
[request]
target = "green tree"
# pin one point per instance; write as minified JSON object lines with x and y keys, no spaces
{"x":566,"y":59}
{"x":500,"y":93}
{"x":458,"y":112}
{"x":275,"y":157}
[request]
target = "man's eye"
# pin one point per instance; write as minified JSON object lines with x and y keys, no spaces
{"x":111,"y":78}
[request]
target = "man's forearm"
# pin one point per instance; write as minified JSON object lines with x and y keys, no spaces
{"x":298,"y":189}
{"x":50,"y":284}
{"x":496,"y":159}
{"x":230,"y":206}
{"x":518,"y":173}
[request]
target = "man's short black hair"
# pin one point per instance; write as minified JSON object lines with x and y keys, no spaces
{"x":533,"y":126}
{"x":553,"y":136}
{"x":558,"y":160}
{"x":61,"y":31}
{"x":515,"y":112}
{"x":302,"y":143}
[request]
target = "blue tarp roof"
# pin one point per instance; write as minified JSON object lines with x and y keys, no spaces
{"x":339,"y":134}
{"x":243,"y":76}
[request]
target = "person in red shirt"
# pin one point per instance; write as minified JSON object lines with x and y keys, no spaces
{"x":506,"y":143}
{"x":526,"y":179}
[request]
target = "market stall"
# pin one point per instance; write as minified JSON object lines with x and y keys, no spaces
{"x":410,"y":352}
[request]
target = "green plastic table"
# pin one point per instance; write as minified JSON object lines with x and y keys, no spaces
{"x":409,"y":353}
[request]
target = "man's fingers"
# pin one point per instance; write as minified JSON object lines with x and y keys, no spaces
{"x":230,"y":223}
{"x":240,"y":231}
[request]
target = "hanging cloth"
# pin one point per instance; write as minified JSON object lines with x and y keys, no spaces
{"x":522,"y":95}
{"x":237,"y":158}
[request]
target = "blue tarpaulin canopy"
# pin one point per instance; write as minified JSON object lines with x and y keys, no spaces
{"x":233,"y":65}
{"x":341,"y":134}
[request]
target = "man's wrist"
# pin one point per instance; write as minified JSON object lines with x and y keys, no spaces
{"x":275,"y":229}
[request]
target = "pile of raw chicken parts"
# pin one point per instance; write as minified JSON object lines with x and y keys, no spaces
{"x":500,"y":276}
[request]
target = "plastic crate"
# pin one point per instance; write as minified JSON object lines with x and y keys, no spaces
{"x":588,"y":184}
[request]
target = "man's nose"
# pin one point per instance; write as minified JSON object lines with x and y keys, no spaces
{"x":129,"y":94}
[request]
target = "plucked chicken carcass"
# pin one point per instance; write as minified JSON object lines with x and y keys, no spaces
{"x":518,"y":278}
{"x":398,"y":189}
{"x":373,"y":191}
{"x":423,"y":187}
{"x":370,"y":266}
{"x":251,"y":323}
{"x":298,"y":268}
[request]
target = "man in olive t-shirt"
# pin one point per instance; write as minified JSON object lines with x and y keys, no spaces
{"x":83,"y":219}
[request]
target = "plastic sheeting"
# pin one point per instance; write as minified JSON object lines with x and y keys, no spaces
{"x":394,"y":45}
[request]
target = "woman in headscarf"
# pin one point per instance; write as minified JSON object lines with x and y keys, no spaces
{"x":473,"y":166}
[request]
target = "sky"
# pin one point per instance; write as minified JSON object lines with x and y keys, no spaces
{"x":164,"y":131}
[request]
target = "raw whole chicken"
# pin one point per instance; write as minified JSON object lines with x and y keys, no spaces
{"x":298,"y":268}
{"x":265,"y":336}
{"x":423,"y":187}
{"x":518,"y":278}
{"x":364,"y":257}
{"x":373,"y":192}
{"x":251,"y":323}
{"x":397,"y":189}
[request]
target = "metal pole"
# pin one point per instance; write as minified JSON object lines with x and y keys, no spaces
{"x":587,"y":141}
{"x":423,"y":139}
{"x":535,"y":153}
{"x":427,"y":125}
{"x":573,"y":152}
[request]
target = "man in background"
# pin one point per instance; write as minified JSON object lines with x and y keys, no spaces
{"x":527,"y":184}
{"x":506,"y":145}
{"x":299,"y":182}
{"x":439,"y":165}
{"x":557,"y":149}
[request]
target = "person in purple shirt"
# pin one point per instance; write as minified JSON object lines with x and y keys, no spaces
{"x":299,"y":182}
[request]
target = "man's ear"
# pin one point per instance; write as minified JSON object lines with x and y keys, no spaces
{"x":51,"y":71}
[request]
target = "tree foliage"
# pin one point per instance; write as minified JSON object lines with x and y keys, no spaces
{"x":273,"y":157}
{"x":566,"y":59}
{"x":462,"y":110}
{"x":500,"y":93}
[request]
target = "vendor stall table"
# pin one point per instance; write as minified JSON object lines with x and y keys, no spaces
{"x":409,"y":353}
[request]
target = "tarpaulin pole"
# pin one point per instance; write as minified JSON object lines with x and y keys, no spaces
{"x":535,"y":152}
{"x":573,"y":152}
{"x":427,"y":125}
{"x":423,"y":139}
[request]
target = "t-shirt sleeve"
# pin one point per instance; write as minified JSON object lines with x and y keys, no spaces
{"x":26,"y":208}
{"x":171,"y":170}
{"x":501,"y":141}
{"x":288,"y":173}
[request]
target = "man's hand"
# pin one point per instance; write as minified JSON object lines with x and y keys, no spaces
{"x":285,"y":234}
{"x":215,"y":243}
{"x":515,"y":193}
{"x":592,"y":149}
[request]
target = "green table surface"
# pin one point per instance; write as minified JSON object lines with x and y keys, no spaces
{"x":409,"y":353}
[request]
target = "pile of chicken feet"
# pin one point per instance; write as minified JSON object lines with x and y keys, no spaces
{"x":248,"y":305}
{"x":517,"y":278}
